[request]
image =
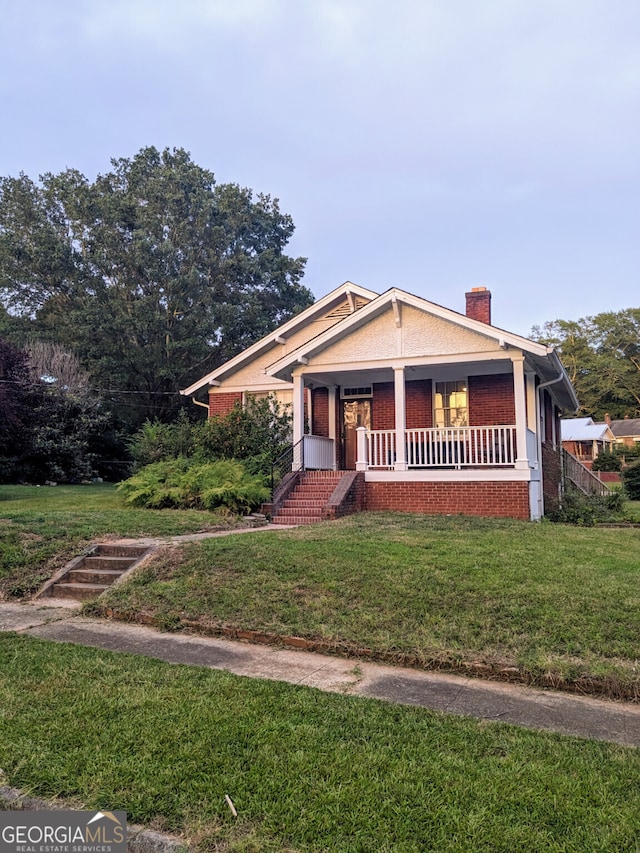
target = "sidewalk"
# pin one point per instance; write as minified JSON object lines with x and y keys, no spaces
{"x":595,"y":719}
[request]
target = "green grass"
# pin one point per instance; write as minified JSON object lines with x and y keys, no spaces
{"x":545,"y":598}
{"x":632,"y":510}
{"x":43,"y":527}
{"x":306,"y":771}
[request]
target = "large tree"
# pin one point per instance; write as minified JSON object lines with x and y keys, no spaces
{"x":602,"y":357}
{"x":152,"y":274}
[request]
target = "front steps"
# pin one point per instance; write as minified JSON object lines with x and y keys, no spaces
{"x":306,"y":503}
{"x":90,"y":575}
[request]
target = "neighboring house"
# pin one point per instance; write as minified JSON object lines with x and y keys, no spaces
{"x":433,"y":411}
{"x":585,"y":439}
{"x":625,"y":431}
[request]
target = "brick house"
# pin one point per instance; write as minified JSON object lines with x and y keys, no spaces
{"x":401,"y":404}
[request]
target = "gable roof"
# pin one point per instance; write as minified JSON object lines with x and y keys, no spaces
{"x":339,"y":303}
{"x":584,"y":429}
{"x":626,"y":428}
{"x":544,"y":358}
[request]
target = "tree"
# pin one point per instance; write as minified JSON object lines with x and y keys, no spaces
{"x":602,"y":357}
{"x":153,"y":274}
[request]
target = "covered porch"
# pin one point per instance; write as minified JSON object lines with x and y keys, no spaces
{"x":476,"y":415}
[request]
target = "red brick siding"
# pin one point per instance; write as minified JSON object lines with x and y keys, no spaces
{"x":320,"y":412}
{"x":223,"y":403}
{"x":419,"y":404}
{"x":384,"y":407}
{"x":548,"y":418}
{"x":507,"y":500}
{"x":551,"y":476}
{"x":491,"y":400}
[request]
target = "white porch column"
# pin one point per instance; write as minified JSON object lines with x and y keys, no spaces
{"x":332,"y":424}
{"x":298,"y":407}
{"x":362,"y":450}
{"x":401,"y":419}
{"x":521,"y":411}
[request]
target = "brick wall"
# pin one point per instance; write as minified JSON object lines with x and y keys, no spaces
{"x":419,"y":404}
{"x":223,"y":403}
{"x":551,"y":476}
{"x":491,"y":400}
{"x":320,"y":412}
{"x":384,"y":407}
{"x":507,"y":500}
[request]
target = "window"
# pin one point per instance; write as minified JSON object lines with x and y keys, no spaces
{"x":450,"y":404}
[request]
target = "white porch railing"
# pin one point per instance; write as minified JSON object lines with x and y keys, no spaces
{"x":445,"y":447}
{"x":318,"y":453}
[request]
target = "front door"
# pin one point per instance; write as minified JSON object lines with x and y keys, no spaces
{"x":355,"y":413}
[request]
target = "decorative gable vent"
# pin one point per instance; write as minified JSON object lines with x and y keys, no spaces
{"x":344,"y":308}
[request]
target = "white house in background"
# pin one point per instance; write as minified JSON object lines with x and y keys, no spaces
{"x":419,"y":407}
{"x":585,"y":439}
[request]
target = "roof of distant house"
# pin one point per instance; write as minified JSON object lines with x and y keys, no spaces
{"x":584,"y":429}
{"x":627,"y":427}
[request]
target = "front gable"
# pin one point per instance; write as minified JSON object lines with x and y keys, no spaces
{"x":404,"y":331}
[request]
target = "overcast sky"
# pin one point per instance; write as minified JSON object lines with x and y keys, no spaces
{"x":432,"y":145}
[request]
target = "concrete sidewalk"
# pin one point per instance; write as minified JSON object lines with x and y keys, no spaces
{"x":596,"y":719}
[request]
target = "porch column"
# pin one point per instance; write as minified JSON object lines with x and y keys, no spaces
{"x":521,"y":411}
{"x":298,"y":415}
{"x":401,"y":419}
{"x":332,"y":424}
{"x":362,"y":454}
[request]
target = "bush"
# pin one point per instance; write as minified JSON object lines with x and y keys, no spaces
{"x":183,"y":484}
{"x":156,"y":441}
{"x":607,"y":461}
{"x":587,"y":510}
{"x":631,"y":481}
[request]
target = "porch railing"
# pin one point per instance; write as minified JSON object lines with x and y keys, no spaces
{"x":445,"y":447}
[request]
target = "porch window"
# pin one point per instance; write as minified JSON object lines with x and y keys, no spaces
{"x":450,"y":404}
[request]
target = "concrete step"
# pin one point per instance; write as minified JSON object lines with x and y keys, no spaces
{"x":107,"y":550}
{"x":79,"y":591}
{"x":93,"y":576}
{"x":101,"y":561}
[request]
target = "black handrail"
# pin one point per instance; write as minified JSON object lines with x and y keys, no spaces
{"x":293,"y":457}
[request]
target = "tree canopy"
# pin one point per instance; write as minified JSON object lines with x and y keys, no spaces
{"x":152,"y":274}
{"x":602,"y":357}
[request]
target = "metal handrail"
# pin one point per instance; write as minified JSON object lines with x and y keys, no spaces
{"x":292,"y":458}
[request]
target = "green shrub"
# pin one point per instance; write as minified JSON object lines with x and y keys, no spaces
{"x":587,"y":510}
{"x":183,"y":484}
{"x":607,"y":461}
{"x":631,"y":481}
{"x":156,"y":441}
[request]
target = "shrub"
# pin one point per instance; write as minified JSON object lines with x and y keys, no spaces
{"x":156,"y":441}
{"x":631,"y":481}
{"x":607,"y":461}
{"x":587,"y":510}
{"x":183,"y":484}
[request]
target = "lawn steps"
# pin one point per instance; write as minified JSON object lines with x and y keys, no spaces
{"x":90,"y":574}
{"x":316,"y":496}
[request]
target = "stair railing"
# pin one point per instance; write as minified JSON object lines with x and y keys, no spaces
{"x":581,"y":477}
{"x":291,"y":460}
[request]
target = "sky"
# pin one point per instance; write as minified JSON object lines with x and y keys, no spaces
{"x":431,"y":145}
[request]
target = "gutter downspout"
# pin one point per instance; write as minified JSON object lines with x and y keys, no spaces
{"x":198,"y":403}
{"x":541,"y":387}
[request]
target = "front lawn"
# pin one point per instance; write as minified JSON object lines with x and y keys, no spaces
{"x":41,"y":528}
{"x":548,"y":599}
{"x":306,"y":771}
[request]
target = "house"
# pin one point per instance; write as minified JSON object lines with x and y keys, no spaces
{"x":585,"y":439}
{"x":626,"y":431}
{"x":401,"y":404}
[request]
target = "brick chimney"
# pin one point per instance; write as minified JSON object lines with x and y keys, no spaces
{"x":607,"y":419}
{"x":479,"y":304}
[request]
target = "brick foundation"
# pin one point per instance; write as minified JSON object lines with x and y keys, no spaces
{"x":505,"y":500}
